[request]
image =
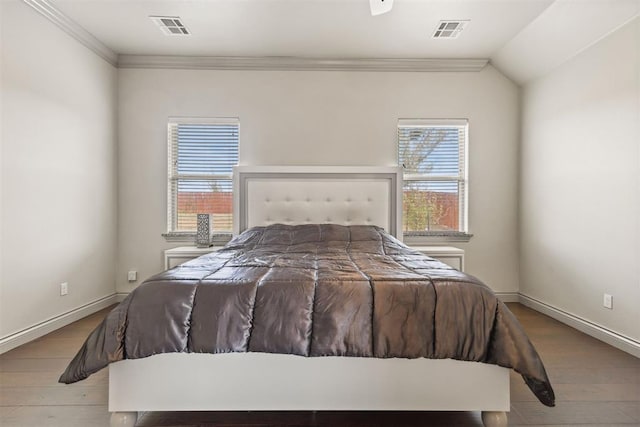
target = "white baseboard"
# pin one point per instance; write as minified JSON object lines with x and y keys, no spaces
{"x":619,"y":341}
{"x":615,"y":339}
{"x":36,"y":331}
{"x":504,"y":296}
{"x":508,"y":296}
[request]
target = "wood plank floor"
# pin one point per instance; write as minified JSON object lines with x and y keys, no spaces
{"x":595,"y":384}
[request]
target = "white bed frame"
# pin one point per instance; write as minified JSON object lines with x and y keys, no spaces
{"x":260,"y":381}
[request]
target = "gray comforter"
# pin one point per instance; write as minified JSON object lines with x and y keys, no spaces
{"x":314,"y":290}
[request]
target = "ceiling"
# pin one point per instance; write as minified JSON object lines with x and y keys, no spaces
{"x":522,"y":37}
{"x":304,"y":28}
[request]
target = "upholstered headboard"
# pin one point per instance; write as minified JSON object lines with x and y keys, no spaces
{"x":344,"y":195}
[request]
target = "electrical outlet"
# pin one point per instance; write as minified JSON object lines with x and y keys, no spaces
{"x":132,"y":276}
{"x":608,"y":301}
{"x":64,"y":289}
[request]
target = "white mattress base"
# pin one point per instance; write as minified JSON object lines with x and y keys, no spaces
{"x":260,"y":381}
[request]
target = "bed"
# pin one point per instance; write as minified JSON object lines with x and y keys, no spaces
{"x":314,"y":248}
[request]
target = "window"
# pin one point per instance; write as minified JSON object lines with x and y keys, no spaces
{"x":202,"y":153}
{"x":432,"y":154}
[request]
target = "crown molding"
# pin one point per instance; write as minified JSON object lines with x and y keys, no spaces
{"x":279,"y":63}
{"x":49,"y":11}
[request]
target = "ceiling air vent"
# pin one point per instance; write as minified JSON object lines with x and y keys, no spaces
{"x":449,"y":29}
{"x":170,"y":25}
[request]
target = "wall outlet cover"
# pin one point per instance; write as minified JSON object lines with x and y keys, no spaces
{"x":132,"y":276}
{"x":608,"y":301}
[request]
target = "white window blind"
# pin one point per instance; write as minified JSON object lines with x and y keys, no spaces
{"x":202,"y":153}
{"x":433,"y":156}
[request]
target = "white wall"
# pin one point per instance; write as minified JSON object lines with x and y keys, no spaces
{"x":319,"y":118}
{"x":58,"y":183}
{"x":580,"y":184}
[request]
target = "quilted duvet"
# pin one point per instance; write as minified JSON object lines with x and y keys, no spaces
{"x":315,"y":290}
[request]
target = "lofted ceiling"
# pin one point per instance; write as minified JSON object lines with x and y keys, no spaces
{"x":304,"y":28}
{"x":523,"y":38}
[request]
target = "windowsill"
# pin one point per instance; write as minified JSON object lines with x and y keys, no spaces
{"x":219,"y":239}
{"x":427,"y":238}
{"x":435,"y":237}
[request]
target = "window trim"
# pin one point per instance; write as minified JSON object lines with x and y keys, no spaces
{"x":172,"y":235}
{"x":462,"y":235}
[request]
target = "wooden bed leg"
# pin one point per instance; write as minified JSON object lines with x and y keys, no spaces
{"x":494,"y":419}
{"x":123,"y":419}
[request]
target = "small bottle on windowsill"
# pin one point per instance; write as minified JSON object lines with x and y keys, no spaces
{"x":203,"y":231}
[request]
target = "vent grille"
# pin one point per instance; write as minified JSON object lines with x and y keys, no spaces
{"x":170,"y":25}
{"x":449,"y":29}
